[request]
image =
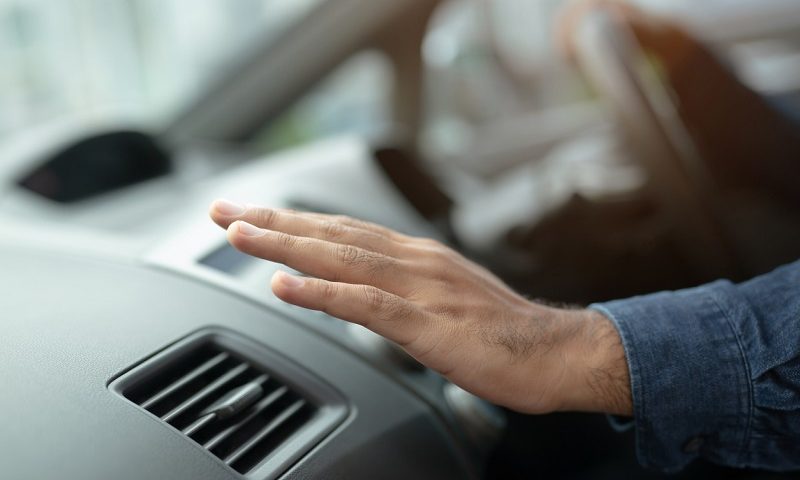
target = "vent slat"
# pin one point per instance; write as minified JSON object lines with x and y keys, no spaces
{"x":257,"y":409}
{"x":249,"y":407}
{"x":184,"y":380}
{"x":198,"y":424}
{"x":264,"y":432}
{"x":205,"y":392}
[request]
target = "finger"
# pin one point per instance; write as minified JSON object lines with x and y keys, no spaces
{"x":569,"y":19}
{"x":331,"y":261}
{"x":361,"y":225}
{"x":225,"y":212}
{"x":384,"y":313}
{"x":298,"y":224}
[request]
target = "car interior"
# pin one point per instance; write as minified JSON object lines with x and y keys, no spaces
{"x":139,"y":344}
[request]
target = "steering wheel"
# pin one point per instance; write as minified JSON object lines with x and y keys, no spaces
{"x":679,"y":183}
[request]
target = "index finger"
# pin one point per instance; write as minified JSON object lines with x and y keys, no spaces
{"x":225,"y":212}
{"x":323,"y":227}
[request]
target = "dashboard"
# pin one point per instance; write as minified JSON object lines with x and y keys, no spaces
{"x":138,"y":344}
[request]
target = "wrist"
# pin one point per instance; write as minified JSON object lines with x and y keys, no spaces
{"x":574,"y":361}
{"x":597,"y":370}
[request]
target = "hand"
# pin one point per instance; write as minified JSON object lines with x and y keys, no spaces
{"x":450,"y":314}
{"x":657,"y":34}
{"x":569,"y":19}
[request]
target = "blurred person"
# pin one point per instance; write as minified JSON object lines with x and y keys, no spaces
{"x":711,"y":371}
{"x":748,"y":141}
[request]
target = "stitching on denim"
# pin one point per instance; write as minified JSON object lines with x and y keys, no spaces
{"x":643,"y":407}
{"x":748,"y":382}
{"x":628,"y":338}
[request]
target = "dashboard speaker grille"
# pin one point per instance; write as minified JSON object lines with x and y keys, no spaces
{"x":250,"y":408}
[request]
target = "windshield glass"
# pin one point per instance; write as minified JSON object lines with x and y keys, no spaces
{"x":132,"y":59}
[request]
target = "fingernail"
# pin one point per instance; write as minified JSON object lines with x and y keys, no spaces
{"x":249,"y":230}
{"x":289,"y":280}
{"x":228,"y":208}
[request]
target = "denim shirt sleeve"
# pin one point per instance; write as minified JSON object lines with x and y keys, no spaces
{"x":715,"y":372}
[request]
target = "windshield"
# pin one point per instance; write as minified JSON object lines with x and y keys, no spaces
{"x":131,"y":59}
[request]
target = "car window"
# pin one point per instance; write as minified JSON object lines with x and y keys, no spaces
{"x":137,"y":58}
{"x":354,"y":98}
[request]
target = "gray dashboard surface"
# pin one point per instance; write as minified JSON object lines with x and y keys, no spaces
{"x":70,"y":324}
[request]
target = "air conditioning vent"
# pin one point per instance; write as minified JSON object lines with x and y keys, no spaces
{"x":251,"y":408}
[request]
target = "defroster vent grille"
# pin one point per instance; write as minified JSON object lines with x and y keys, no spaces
{"x":249,"y":407}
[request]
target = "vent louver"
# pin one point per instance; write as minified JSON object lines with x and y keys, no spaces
{"x":221,"y":391}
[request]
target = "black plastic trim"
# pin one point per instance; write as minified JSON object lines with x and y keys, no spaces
{"x":331,"y":406}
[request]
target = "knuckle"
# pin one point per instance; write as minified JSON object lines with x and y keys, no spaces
{"x":363,"y":225}
{"x":441,"y":250}
{"x":431,"y":249}
{"x":328,"y":291}
{"x":430,"y":243}
{"x":348,"y":255}
{"x":266,"y":217}
{"x":379,"y":263}
{"x":449,"y":312}
{"x":343,"y":219}
{"x":285,"y":240}
{"x":355,"y":222}
{"x":396,"y":309}
{"x":435,"y":267}
{"x":333,"y":230}
{"x":383,"y":306}
{"x":446,"y":254}
{"x":386,"y":307}
{"x":374,"y":299}
{"x":375,"y":265}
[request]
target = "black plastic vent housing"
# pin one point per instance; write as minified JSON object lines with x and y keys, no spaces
{"x":248,"y":406}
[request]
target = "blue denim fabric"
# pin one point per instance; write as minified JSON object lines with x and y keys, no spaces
{"x":715,"y":372}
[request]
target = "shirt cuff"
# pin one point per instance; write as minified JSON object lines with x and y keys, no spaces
{"x":689,"y":377}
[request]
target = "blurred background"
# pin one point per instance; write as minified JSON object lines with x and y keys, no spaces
{"x":485,"y":62}
{"x":145,"y":59}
